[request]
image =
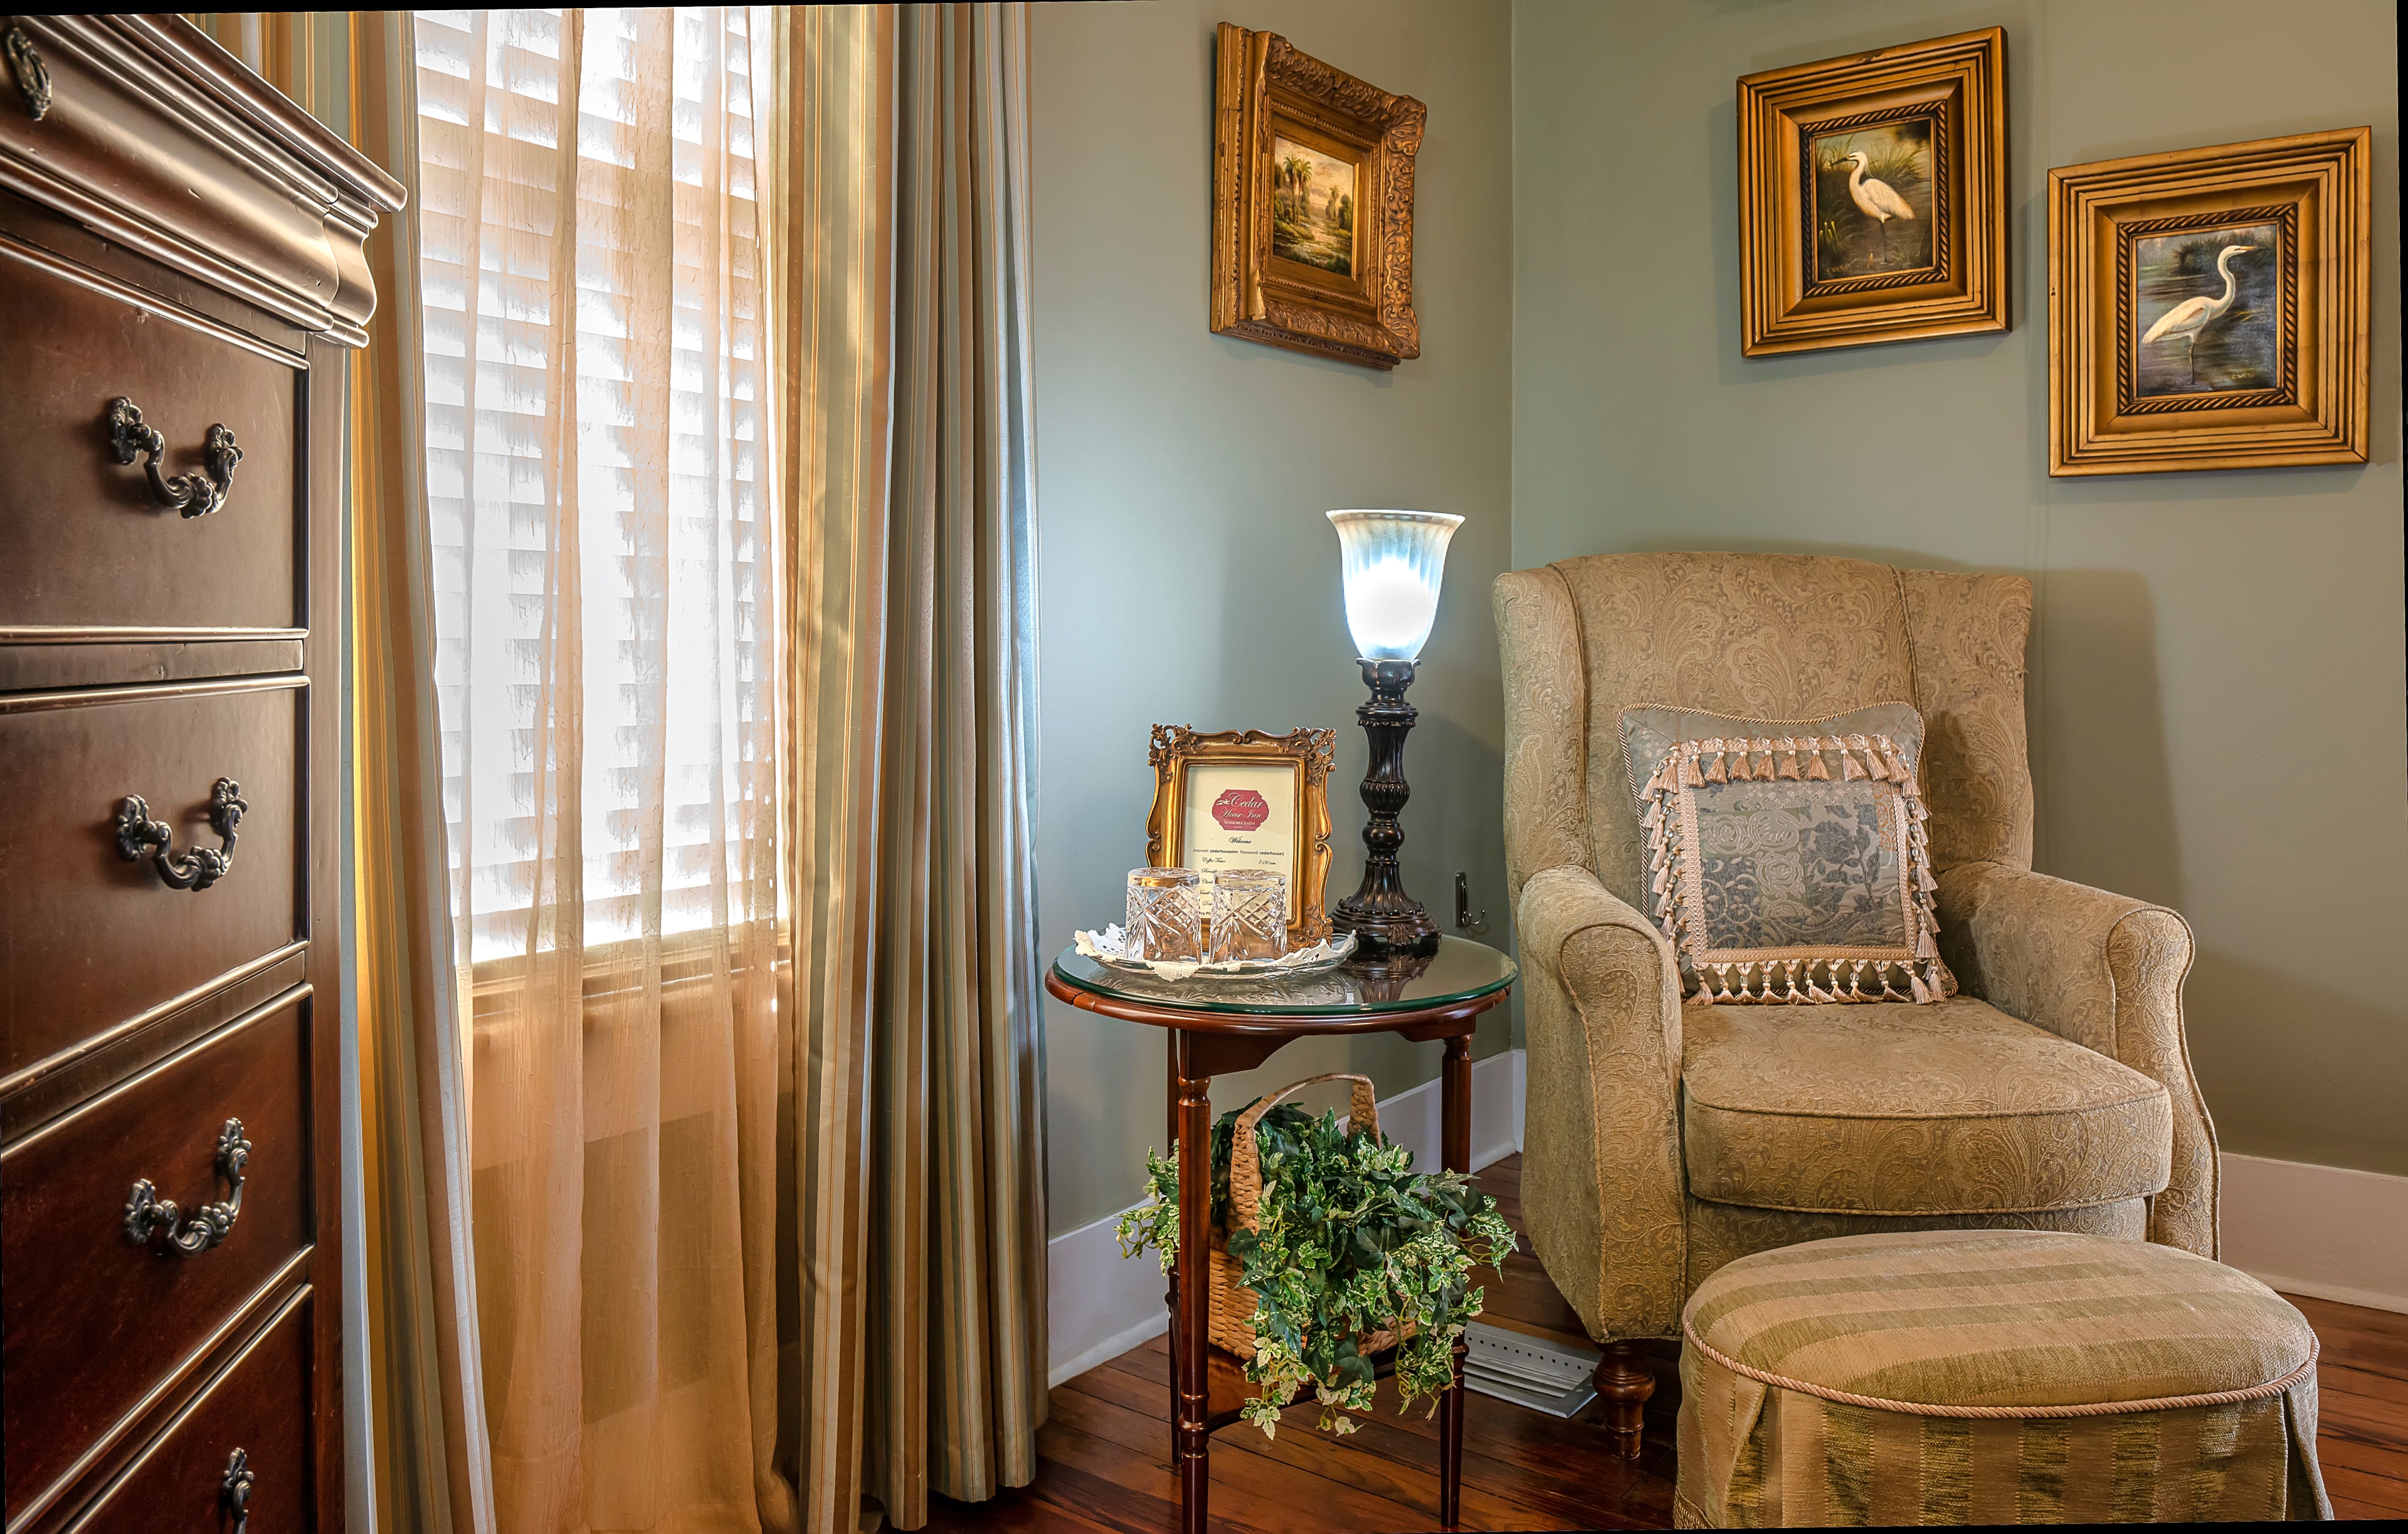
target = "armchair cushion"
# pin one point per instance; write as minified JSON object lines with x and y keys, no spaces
{"x":1951,"y":1108}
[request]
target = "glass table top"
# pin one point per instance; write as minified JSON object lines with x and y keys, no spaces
{"x":1460,"y":971}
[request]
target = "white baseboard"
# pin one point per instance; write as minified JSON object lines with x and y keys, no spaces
{"x":2329,"y":1232}
{"x":1101,"y":1304}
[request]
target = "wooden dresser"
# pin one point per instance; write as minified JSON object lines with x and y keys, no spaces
{"x":181,"y":281}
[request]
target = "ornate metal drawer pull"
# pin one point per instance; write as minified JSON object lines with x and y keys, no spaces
{"x":235,"y":1491}
{"x":139,"y":836}
{"x":32,"y":79}
{"x":147,"y":1214}
{"x":190,"y":494}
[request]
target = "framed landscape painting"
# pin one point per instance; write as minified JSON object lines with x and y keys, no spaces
{"x":2208,"y":308}
{"x":1312,"y":204}
{"x":1873,"y":196}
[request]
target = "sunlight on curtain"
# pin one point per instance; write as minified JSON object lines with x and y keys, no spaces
{"x":600,"y":518}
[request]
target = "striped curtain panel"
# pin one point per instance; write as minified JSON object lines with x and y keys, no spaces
{"x":906,"y":439}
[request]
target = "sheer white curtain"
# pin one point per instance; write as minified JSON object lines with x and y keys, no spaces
{"x":599,"y":494}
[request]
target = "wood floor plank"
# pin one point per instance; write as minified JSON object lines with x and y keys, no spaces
{"x":2380,"y":1423}
{"x":2358,"y":1487}
{"x":2373,"y":1459}
{"x":2375,"y":1342}
{"x":1020,"y":1511}
{"x":2343,"y":1380}
{"x":2345,"y":1508}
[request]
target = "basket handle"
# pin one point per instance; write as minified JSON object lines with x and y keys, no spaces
{"x":1245,"y":1162}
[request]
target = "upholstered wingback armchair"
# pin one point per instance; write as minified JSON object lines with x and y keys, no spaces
{"x":1663,"y":1139}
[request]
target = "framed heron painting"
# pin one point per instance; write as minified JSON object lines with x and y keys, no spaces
{"x":1873,"y":196}
{"x":2208,"y":308}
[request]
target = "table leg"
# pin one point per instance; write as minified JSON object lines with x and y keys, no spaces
{"x":1455,"y":1155}
{"x":1194,"y":1322}
{"x":1171,"y":1289}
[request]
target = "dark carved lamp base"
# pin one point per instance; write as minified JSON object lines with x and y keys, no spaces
{"x":1387,"y":922}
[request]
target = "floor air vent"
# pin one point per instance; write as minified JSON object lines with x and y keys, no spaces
{"x":1528,"y":1371}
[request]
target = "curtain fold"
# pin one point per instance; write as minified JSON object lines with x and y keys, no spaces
{"x":426,"y":1386}
{"x":426,"y":1466}
{"x":909,"y":454}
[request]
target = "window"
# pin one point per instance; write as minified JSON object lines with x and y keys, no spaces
{"x":595,"y":398}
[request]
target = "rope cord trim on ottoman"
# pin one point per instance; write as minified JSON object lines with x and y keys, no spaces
{"x":2083,"y":1409}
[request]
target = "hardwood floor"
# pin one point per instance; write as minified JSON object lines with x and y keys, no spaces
{"x":1104,"y":1457}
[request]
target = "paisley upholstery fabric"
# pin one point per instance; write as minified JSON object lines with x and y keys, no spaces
{"x":1547,"y":726}
{"x":1954,"y":1109}
{"x":1992,"y":1377}
{"x":1601,"y":1185}
{"x":1757,"y":635}
{"x":1966,"y":635}
{"x":1787,"y":858}
{"x":1605,"y":1185}
{"x":2105,"y":972}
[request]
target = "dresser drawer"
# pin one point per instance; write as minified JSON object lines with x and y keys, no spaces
{"x":93,"y":1319}
{"x":88,"y":939}
{"x":89,"y":546}
{"x":258,"y":1406}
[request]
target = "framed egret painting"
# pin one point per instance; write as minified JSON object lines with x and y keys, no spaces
{"x":2208,"y":308}
{"x":1312,"y":204}
{"x":1873,"y":196}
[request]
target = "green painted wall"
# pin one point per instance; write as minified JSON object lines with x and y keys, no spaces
{"x":1186,"y":573}
{"x":2217,"y":673}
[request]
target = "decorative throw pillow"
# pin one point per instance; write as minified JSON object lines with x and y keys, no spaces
{"x":1786,"y":856}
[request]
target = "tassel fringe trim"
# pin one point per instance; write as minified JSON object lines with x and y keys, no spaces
{"x":1693,"y":764}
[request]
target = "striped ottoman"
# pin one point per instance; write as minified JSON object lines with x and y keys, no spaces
{"x":1992,"y":1377}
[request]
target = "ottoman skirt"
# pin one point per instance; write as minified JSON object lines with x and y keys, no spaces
{"x":1992,"y":1377}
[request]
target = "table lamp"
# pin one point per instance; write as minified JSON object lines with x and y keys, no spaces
{"x":1392,"y":563}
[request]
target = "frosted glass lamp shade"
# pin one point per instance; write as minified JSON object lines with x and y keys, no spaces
{"x":1392,"y":562}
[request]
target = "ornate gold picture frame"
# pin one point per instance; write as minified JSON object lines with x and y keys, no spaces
{"x":1312,"y":204}
{"x":1242,"y":798}
{"x":2208,"y":308}
{"x":1872,"y":195}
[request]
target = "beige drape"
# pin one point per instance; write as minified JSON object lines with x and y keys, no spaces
{"x":907,"y":451}
{"x":594,"y":324}
{"x":425,"y":1469}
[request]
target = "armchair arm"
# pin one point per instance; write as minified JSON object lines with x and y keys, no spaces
{"x":2106,"y":972}
{"x":1602,"y":1180}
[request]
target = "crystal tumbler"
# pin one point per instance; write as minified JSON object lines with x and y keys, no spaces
{"x":1249,"y":915}
{"x":1166,"y":915}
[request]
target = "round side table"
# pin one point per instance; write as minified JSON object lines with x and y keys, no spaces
{"x":1217,"y":1028}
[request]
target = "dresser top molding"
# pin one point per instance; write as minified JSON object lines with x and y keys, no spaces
{"x":158,"y":139}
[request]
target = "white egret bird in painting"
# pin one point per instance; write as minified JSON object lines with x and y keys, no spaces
{"x":2186,"y":320}
{"x":1877,"y":199}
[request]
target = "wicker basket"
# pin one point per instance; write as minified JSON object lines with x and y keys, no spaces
{"x":1233,"y":1304}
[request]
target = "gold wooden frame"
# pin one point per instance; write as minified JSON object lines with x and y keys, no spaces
{"x":2318,"y":188}
{"x":1267,"y":88}
{"x":1959,"y":85}
{"x":1178,"y":747}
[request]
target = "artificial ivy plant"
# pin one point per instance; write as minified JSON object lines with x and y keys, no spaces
{"x":1348,"y":1239}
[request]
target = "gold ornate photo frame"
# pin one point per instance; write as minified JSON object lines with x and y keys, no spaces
{"x":1873,"y":196}
{"x":1312,"y":204}
{"x":2208,"y":308}
{"x":1216,"y":798}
